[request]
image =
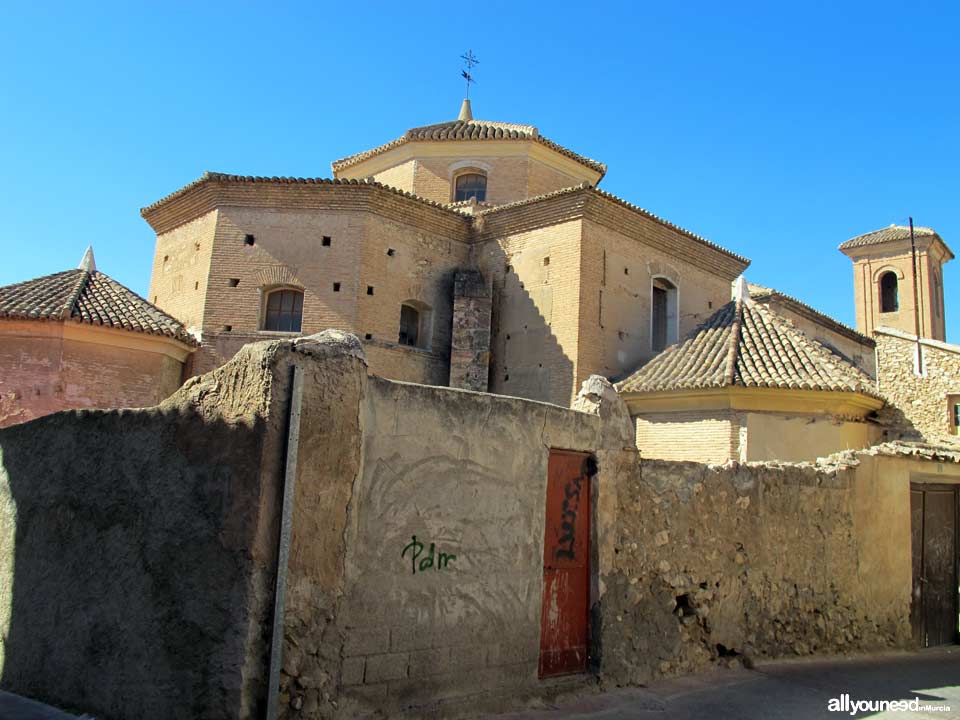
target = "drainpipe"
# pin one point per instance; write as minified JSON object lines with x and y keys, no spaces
{"x":916,"y":301}
{"x":283,"y":549}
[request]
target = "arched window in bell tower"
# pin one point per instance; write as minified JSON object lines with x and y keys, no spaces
{"x":889,"y":293}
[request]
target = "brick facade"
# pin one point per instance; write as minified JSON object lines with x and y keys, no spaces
{"x":44,"y":369}
{"x":359,"y":250}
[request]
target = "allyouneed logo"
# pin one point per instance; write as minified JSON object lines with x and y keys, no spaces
{"x":845,"y":704}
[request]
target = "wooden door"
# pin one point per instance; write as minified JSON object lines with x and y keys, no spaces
{"x":564,"y":633}
{"x":934,"y":608}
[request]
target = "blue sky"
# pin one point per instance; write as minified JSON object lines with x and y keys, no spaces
{"x":776,"y":131}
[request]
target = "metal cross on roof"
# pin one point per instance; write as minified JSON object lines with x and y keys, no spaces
{"x":470,"y":61}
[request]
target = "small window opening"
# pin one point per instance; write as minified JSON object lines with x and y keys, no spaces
{"x":227,"y":328}
{"x":233,"y":282}
{"x":284,"y":311}
{"x":889,"y":295}
{"x":409,"y":325}
{"x":249,"y":239}
{"x":391,"y":252}
{"x":626,"y":271}
{"x":369,"y":289}
{"x":709,"y":304}
{"x":336,"y":287}
{"x":326,"y":241}
{"x":196,"y":285}
{"x":953,"y":403}
{"x":663,"y":326}
{"x":546,"y":260}
{"x":471,"y":186}
{"x":368,"y":336}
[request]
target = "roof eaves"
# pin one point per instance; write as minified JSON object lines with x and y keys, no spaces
{"x":216,"y":177}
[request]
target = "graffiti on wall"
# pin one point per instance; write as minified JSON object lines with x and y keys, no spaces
{"x":433,"y":559}
{"x":571,"y":505}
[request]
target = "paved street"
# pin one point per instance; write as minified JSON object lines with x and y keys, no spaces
{"x":791,"y":690}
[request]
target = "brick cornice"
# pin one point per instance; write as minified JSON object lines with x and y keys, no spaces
{"x":588,"y":203}
{"x":214,"y":190}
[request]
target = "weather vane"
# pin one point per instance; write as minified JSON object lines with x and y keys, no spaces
{"x":470,"y":61}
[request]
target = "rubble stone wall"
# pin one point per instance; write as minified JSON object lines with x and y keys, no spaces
{"x":919,"y":401}
{"x":714,"y":563}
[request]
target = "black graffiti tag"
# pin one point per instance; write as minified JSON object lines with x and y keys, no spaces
{"x":571,"y":505}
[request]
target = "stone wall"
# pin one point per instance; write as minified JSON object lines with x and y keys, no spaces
{"x":919,"y":401}
{"x":470,"y":344}
{"x":713,"y":564}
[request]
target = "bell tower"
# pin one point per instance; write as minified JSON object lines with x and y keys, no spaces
{"x":898,"y":283}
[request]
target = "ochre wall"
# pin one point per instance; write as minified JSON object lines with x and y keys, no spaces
{"x":615,"y":305}
{"x":536,"y":311}
{"x":866,"y":271}
{"x":288,"y":252}
{"x":515,"y":170}
{"x":180,"y":273}
{"x":792,"y":438}
{"x":41,"y":371}
{"x":717,"y":436}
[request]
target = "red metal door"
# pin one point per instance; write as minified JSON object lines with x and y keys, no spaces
{"x":566,"y":566}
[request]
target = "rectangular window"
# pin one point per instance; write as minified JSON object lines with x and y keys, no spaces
{"x":659,"y":339}
{"x":953,"y":404}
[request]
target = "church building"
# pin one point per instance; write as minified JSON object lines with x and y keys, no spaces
{"x":470,"y":253}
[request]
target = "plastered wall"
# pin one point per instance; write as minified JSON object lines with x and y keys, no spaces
{"x":137,"y":551}
{"x":42,"y":372}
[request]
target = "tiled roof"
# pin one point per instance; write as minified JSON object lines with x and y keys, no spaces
{"x":469,"y":130}
{"x":87,"y":297}
{"x":745,"y":344}
{"x":209,"y":176}
{"x":888,"y":234}
{"x":764,"y":294}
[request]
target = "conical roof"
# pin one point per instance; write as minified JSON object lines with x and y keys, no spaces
{"x":745,"y":344}
{"x":88,"y":296}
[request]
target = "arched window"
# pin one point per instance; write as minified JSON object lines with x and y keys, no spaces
{"x":284,"y":312}
{"x":889,"y":296}
{"x":663,"y":321}
{"x":470,"y":185}
{"x":414,"y":324}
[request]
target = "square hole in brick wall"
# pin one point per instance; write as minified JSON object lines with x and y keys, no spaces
{"x":327,"y":240}
{"x":368,"y":336}
{"x":369,"y":289}
{"x":336,"y":287}
{"x":233,"y":282}
{"x":227,"y":328}
{"x":249,"y":239}
{"x":391,"y":252}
